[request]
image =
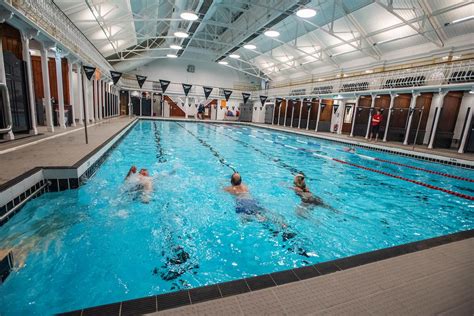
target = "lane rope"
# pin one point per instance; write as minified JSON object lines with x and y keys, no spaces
{"x":461,"y":195}
{"x":447,"y":175}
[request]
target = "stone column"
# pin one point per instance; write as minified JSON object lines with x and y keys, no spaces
{"x":354,"y":115}
{"x":100,"y":99}
{"x":141,"y":97}
{"x":72,"y":92}
{"x":85,"y":84}
{"x":279,"y":112}
{"x":59,"y":77}
{"x":26,"y":35}
{"x":80,"y":94}
{"x":319,"y":115}
{"x":438,"y":101}
{"x":46,"y":88}
{"x":390,"y":110}
{"x":129,"y":103}
{"x":301,"y":110}
{"x":292,"y":112}
{"x":286,"y":109}
{"x":372,"y":106}
{"x":410,"y":116}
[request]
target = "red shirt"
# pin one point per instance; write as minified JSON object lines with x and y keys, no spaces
{"x":376,"y":119}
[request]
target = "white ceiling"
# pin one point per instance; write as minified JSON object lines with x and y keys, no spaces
{"x":344,"y":33}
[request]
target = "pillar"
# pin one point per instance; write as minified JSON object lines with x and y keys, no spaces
{"x":372,"y":106}
{"x":340,"y":120}
{"x":72,"y":92}
{"x":25,"y":41}
{"x":308,"y":116}
{"x":292,"y":112}
{"x":301,"y":110}
{"x":46,"y":88}
{"x":59,"y":77}
{"x":86,"y":99}
{"x":390,"y":110}
{"x":279,"y":112}
{"x":273,"y":113}
{"x":80,"y":95}
{"x":410,"y":116}
{"x":141,"y":97}
{"x":286,"y":109}
{"x":100,"y":99}
{"x":354,"y":115}
{"x":96,"y":100}
{"x":319,"y":115}
{"x":129,"y":103}
{"x":437,"y":101}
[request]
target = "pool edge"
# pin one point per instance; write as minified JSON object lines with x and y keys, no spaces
{"x":156,"y":303}
{"x":16,"y":191}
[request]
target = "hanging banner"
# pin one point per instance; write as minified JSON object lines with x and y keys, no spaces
{"x":89,"y":71}
{"x":227,"y":94}
{"x":164,"y":85}
{"x":141,"y":80}
{"x":115,"y":76}
{"x":263,"y":98}
{"x":186,"y":88}
{"x":246,"y":96}
{"x":207,"y":91}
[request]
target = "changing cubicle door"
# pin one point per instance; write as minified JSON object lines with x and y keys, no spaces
{"x":246,"y":112}
{"x":470,"y":139}
{"x":269,"y":113}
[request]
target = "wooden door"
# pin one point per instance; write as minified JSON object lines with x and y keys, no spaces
{"x":16,"y":83}
{"x":347,"y":118}
{"x":447,"y":120}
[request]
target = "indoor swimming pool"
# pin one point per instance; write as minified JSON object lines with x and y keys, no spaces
{"x":107,"y":242}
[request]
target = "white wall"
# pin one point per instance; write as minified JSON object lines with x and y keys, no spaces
{"x":206,"y":73}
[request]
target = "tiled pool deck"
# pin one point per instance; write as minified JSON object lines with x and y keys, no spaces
{"x":437,"y":281}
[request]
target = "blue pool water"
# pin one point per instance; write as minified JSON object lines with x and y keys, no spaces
{"x":101,"y":244}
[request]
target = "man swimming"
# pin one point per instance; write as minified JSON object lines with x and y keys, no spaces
{"x":141,"y":182}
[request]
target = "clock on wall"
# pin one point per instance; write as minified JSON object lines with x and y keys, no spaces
{"x":190,"y":68}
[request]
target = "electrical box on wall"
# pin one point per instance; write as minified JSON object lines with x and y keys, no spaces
{"x":190,"y":68}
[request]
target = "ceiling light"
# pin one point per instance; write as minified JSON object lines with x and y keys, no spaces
{"x":235,"y":56}
{"x":456,"y":57}
{"x":306,"y":13}
{"x":172,"y":56}
{"x":369,"y":71}
{"x":181,"y":34}
{"x":189,"y":15}
{"x":472,"y":91}
{"x":176,"y":46}
{"x":460,"y":20}
{"x":223,"y":62}
{"x":445,"y":58}
{"x":250,"y":46}
{"x":271,"y":33}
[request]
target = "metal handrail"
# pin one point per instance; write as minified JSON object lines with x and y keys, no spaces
{"x":8,"y":112}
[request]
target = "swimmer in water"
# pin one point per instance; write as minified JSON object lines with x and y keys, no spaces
{"x":245,"y":204}
{"x":308,"y":199}
{"x":141,"y":182}
{"x":349,"y":149}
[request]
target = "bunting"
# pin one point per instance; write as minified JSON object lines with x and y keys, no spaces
{"x":263,"y":98}
{"x":207,"y":92}
{"x":164,"y":85}
{"x":115,"y":76}
{"x":227,"y":94}
{"x":186,"y":88}
{"x":246,"y":96}
{"x":89,"y":71}
{"x":141,"y":80}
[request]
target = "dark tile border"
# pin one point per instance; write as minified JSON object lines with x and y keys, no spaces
{"x":216,"y":291}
